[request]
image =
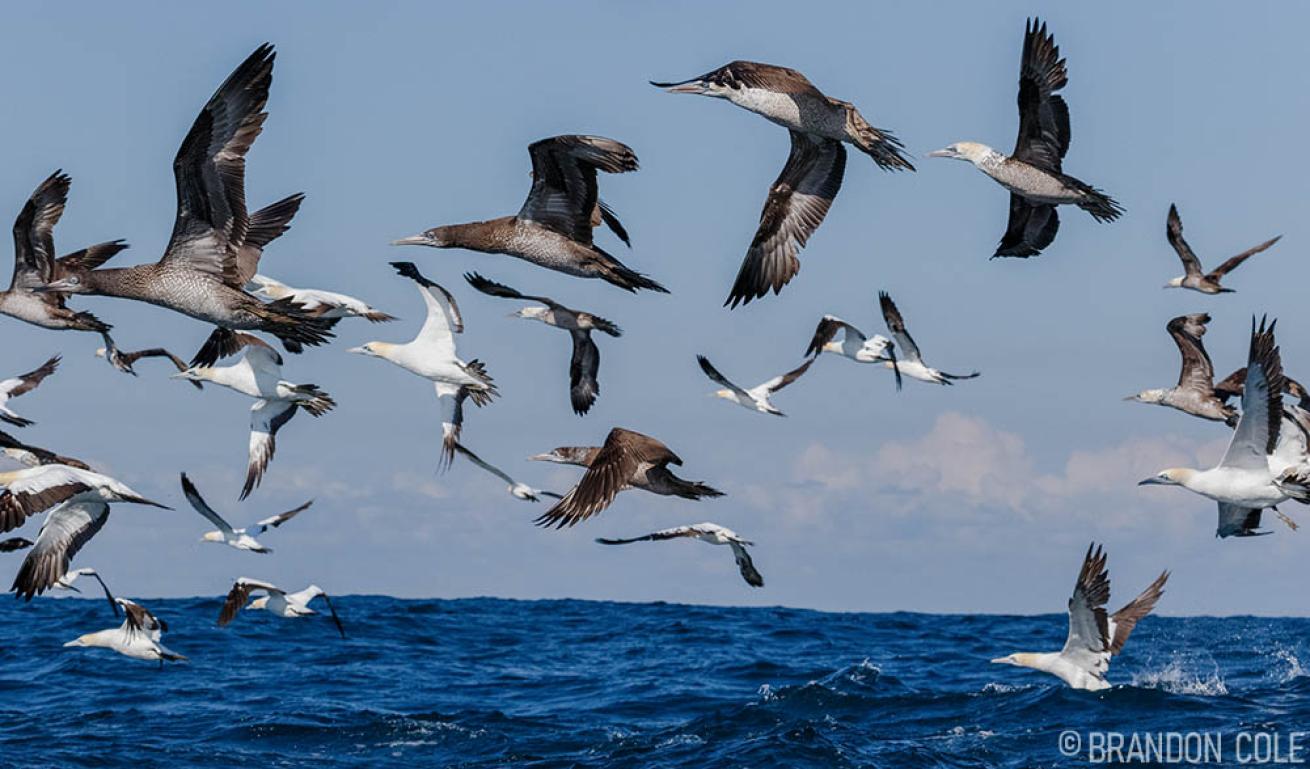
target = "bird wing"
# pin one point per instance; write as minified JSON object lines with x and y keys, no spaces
{"x":198,"y":502}
{"x":492,"y":288}
{"x":717,"y":377}
{"x":746,"y":565}
{"x":34,"y":243}
{"x":1174,"y":232}
{"x":265,"y":226}
{"x":1197,"y":373}
{"x":332,"y":610}
{"x":1231,"y":262}
{"x":1030,"y":228}
{"x":480,"y":462}
{"x":258,"y":353}
{"x":583,"y":368}
{"x":1043,"y":116}
{"x":39,"y":491}
{"x":239,"y":594}
{"x":443,"y":319}
{"x":65,"y":531}
{"x":656,"y":536}
{"x":1088,"y":643}
{"x":614,"y":465}
{"x":452,"y":419}
{"x":797,"y":203}
{"x":896,"y":325}
{"x":109,"y":596}
{"x":210,"y":170}
{"x":611,"y":220}
{"x":266,"y":418}
{"x":25,"y":383}
{"x":1231,"y":386}
{"x":1238,"y":521}
{"x":827,"y":330}
{"x":279,"y":519}
{"x":1123,"y":621}
{"x":42,"y":456}
{"x":14,"y":543}
{"x":563,"y":195}
{"x":139,"y":619}
{"x":777,"y":383}
{"x":1256,"y":435}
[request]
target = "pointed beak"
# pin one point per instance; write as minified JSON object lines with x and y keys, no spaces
{"x":1152,"y":481}
{"x":74,"y":642}
{"x":357,"y":350}
{"x":1000,"y":661}
{"x":942,"y":153}
{"x":542,"y":458}
{"x":414,"y":240}
{"x":695,"y":86}
{"x":1130,"y":397}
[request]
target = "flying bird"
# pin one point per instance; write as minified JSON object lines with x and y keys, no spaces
{"x":326,"y":304}
{"x":138,"y":636}
{"x":757,"y":397}
{"x":66,"y":583}
{"x":1094,"y":635}
{"x":33,"y":456}
{"x":1195,"y":393}
{"x":275,"y":600}
{"x":21,"y":385}
{"x":241,"y":539}
{"x":853,"y":344}
{"x":66,"y":530}
{"x":627,"y":460}
{"x":259,"y":375}
{"x":554,"y":227}
{"x":1193,"y":277}
{"x":124,"y":361}
{"x":706,"y":532}
{"x":799,"y":200}
{"x":431,"y":355}
{"x":585,"y":362}
{"x":14,"y":544}
{"x":911,"y":361}
{"x":34,"y":490}
{"x":516,"y":489}
{"x":1033,"y":173}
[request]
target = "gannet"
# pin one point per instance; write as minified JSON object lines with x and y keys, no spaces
{"x":627,"y":460}
{"x":911,"y":361}
{"x":712,"y":533}
{"x":325,"y":303}
{"x":1195,"y":392}
{"x":275,"y":601}
{"x":14,"y":543}
{"x":516,"y":489}
{"x":241,"y":539}
{"x":1094,"y":635}
{"x":34,"y":490}
{"x":66,"y":530}
{"x":202,"y":273}
{"x":554,"y":227}
{"x":138,"y":636}
{"x":1033,"y":174}
{"x":66,"y":583}
{"x":853,"y":345}
{"x":431,"y":355}
{"x":1193,"y":278}
{"x":21,"y":385}
{"x":259,"y":375}
{"x":33,"y":456}
{"x":124,"y":361}
{"x":799,"y":200}
{"x":585,"y":362}
{"x":757,"y":397}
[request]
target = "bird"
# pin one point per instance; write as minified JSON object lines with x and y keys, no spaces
{"x":215,"y":245}
{"x":431,"y":355}
{"x":1094,"y":635}
{"x":627,"y":460}
{"x":241,"y":539}
{"x":21,"y":385}
{"x":911,"y":362}
{"x":1195,"y":393}
{"x":712,"y":533}
{"x":325,"y":303}
{"x":516,"y":489}
{"x":34,"y":490}
{"x":33,"y":456}
{"x":1245,"y":480}
{"x":125,"y":361}
{"x":1033,"y":173}
{"x":66,"y":583}
{"x":259,"y":375}
{"x":585,"y":362}
{"x":757,"y":397}
{"x":800,"y":198}
{"x":554,"y":227}
{"x":275,"y":600}
{"x":66,"y":530}
{"x":1193,"y":278}
{"x":853,"y":345}
{"x":138,"y":636}
{"x":14,"y":544}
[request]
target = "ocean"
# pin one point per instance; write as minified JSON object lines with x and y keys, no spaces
{"x":492,"y":683}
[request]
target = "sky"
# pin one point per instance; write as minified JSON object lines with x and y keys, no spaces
{"x":395,"y":117}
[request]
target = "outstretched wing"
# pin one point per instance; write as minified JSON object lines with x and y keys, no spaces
{"x":777,"y":383}
{"x":1231,"y":262}
{"x":827,"y":330}
{"x":201,"y":506}
{"x":563,"y":197}
{"x":746,"y":565}
{"x":1197,"y":373}
{"x":896,"y":325}
{"x":34,"y":243}
{"x":1088,"y":643}
{"x":66,"y":530}
{"x":624,"y":451}
{"x":1043,"y":116}
{"x":443,"y":319}
{"x":266,"y":418}
{"x":1173,"y":231}
{"x":275,"y":521}
{"x":1123,"y":621}
{"x":239,"y":594}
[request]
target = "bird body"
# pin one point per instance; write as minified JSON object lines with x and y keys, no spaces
{"x":138,"y":637}
{"x":757,"y":397}
{"x":853,"y":343}
{"x":1195,"y":392}
{"x":1194,"y":277}
{"x":910,"y":362}
{"x":711,"y":533}
{"x":275,"y":601}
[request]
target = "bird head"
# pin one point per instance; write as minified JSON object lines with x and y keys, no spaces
{"x":375,"y":349}
{"x":1174,"y":476}
{"x":82,"y":640}
{"x":193,"y":374}
{"x":259,"y":602}
{"x":212,"y":536}
{"x":1147,"y":396}
{"x":437,"y":237}
{"x":1174,"y":283}
{"x":564,"y":455}
{"x":72,"y":284}
{"x":1018,"y":659}
{"x":722,"y":393}
{"x":972,"y":152}
{"x":530,"y":313}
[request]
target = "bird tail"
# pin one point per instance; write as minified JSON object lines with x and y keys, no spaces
{"x":693,"y":489}
{"x":606,"y":326}
{"x":483,"y":394}
{"x":1295,"y":483}
{"x":971,"y":375}
{"x":294,"y":325}
{"x":377,"y":316}
{"x":1102,"y":207}
{"x":885,"y":149}
{"x":315,"y":401}
{"x":617,"y":273}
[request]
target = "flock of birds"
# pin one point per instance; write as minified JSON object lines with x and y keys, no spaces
{"x":210,"y":272}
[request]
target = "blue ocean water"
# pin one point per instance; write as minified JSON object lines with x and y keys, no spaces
{"x":490,"y":683}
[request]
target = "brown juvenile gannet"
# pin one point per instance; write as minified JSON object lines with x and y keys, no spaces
{"x":554,"y":227}
{"x":14,"y":543}
{"x":584,"y":365}
{"x":853,"y":345}
{"x":757,"y":397}
{"x":138,"y":636}
{"x":1033,"y":173}
{"x":799,"y":200}
{"x":209,"y":257}
{"x":21,"y":385}
{"x":516,"y":489}
{"x":275,"y":601}
{"x":911,"y":362}
{"x":34,"y":456}
{"x":627,"y":460}
{"x":124,"y":361}
{"x":65,"y":531}
{"x":1094,"y":635}
{"x":243,"y":538}
{"x":1195,"y":393}
{"x":326,"y":304}
{"x":712,"y":533}
{"x":1193,"y":278}
{"x":34,"y":490}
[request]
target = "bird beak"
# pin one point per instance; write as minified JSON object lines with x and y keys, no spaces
{"x":695,"y":85}
{"x":1152,"y":481}
{"x":1130,"y":397}
{"x":414,"y":240}
{"x":942,"y":153}
{"x":75,"y":642}
{"x":54,"y":287}
{"x":541,"y":458}
{"x":1000,"y":661}
{"x":358,"y":350}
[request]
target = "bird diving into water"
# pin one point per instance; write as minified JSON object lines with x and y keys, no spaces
{"x":554,"y":227}
{"x":1193,"y":277}
{"x":1034,"y":173}
{"x":712,"y":533}
{"x":800,"y":198}
{"x":1195,"y":392}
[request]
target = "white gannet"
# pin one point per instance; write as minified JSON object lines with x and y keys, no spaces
{"x":911,"y":361}
{"x":706,"y":532}
{"x":1094,"y":635}
{"x":66,"y":530}
{"x":1033,"y":173}
{"x":21,"y":385}
{"x":853,"y":345}
{"x":275,"y":600}
{"x":431,"y":355}
{"x":34,"y":490}
{"x":259,"y":375}
{"x":584,"y":365}
{"x":1195,"y":392}
{"x":66,"y":583}
{"x":1194,"y":278}
{"x":516,"y":489}
{"x":326,"y":304}
{"x":241,"y":539}
{"x":34,"y":456}
{"x":627,"y":460}
{"x":124,"y":361}
{"x":138,"y":636}
{"x":757,"y":397}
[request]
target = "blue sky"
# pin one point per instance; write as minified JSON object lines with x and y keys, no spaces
{"x":394,"y":117}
